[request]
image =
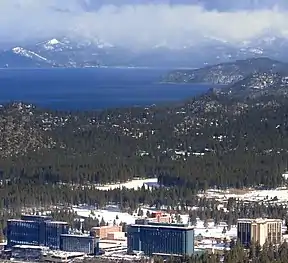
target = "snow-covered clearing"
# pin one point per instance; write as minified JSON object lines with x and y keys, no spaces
{"x":133,"y":184}
{"x":249,"y":195}
{"x":108,"y":216}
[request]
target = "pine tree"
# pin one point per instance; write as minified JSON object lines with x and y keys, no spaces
{"x":252,"y":251}
{"x":102,"y":222}
{"x":140,"y":212}
{"x":1,"y":233}
{"x":193,"y":218}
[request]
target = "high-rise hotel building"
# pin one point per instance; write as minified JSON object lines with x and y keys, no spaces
{"x":161,"y":239}
{"x":35,"y":230}
{"x":259,"y":231}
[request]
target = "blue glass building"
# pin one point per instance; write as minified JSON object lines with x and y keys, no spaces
{"x":40,"y":220}
{"x":244,"y":231}
{"x":161,"y":239}
{"x":20,"y":232}
{"x":80,"y":243}
{"x":53,"y":231}
{"x":35,"y":230}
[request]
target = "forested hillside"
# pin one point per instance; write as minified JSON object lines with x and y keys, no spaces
{"x":232,"y":137}
{"x":205,"y":142}
{"x":228,"y":72}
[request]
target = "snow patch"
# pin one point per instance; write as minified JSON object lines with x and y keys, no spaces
{"x":133,"y":184}
{"x":257,"y":51}
{"x":250,"y":195}
{"x":108,"y":216}
{"x":27,"y":53}
{"x":52,"y":44}
{"x":18,"y":50}
{"x":53,"y":41}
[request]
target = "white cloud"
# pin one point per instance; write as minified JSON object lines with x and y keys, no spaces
{"x":139,"y":24}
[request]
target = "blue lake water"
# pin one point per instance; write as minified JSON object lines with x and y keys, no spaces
{"x":91,"y":88}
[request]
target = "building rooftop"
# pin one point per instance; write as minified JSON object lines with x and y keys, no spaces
{"x":98,"y":227}
{"x":118,"y":256}
{"x":166,"y":224}
{"x":258,"y":220}
{"x":165,"y":254}
{"x":30,"y":247}
{"x":36,"y":216}
{"x":20,"y":220}
{"x":171,"y":226}
{"x":111,"y":244}
{"x":81,"y":236}
{"x":64,"y":254}
{"x":33,"y":221}
{"x":57,"y":222}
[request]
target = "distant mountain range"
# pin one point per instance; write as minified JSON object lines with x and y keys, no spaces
{"x":65,"y":52}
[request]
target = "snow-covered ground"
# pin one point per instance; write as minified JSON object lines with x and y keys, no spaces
{"x":278,"y":194}
{"x":133,"y":184}
{"x":211,"y":231}
{"x":108,"y":216}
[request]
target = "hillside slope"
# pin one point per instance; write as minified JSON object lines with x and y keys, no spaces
{"x":227,"y":73}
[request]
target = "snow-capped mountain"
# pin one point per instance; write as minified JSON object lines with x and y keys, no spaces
{"x":68,"y":44}
{"x":54,"y":53}
{"x":52,"y":44}
{"x":66,"y":52}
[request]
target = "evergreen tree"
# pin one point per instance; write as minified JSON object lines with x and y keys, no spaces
{"x":102,"y":222}
{"x":1,"y":233}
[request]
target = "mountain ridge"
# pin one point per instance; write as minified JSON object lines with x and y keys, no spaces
{"x":228,"y":72}
{"x":72,"y":52}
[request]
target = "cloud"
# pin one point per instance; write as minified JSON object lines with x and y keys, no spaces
{"x":140,"y":22}
{"x":220,"y":5}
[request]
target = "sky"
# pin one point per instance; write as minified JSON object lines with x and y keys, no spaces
{"x":142,"y":22}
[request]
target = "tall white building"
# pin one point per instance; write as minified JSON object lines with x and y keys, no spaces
{"x":259,"y":231}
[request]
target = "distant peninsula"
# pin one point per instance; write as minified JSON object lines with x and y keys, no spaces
{"x":226,"y":73}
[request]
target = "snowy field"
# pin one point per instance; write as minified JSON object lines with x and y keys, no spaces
{"x":133,"y":184}
{"x":213,"y":231}
{"x":108,"y":216}
{"x":279,"y":195}
{"x":245,"y":195}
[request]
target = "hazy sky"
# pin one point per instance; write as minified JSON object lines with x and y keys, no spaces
{"x":146,"y":22}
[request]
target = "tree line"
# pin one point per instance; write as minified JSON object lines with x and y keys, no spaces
{"x":242,"y":144}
